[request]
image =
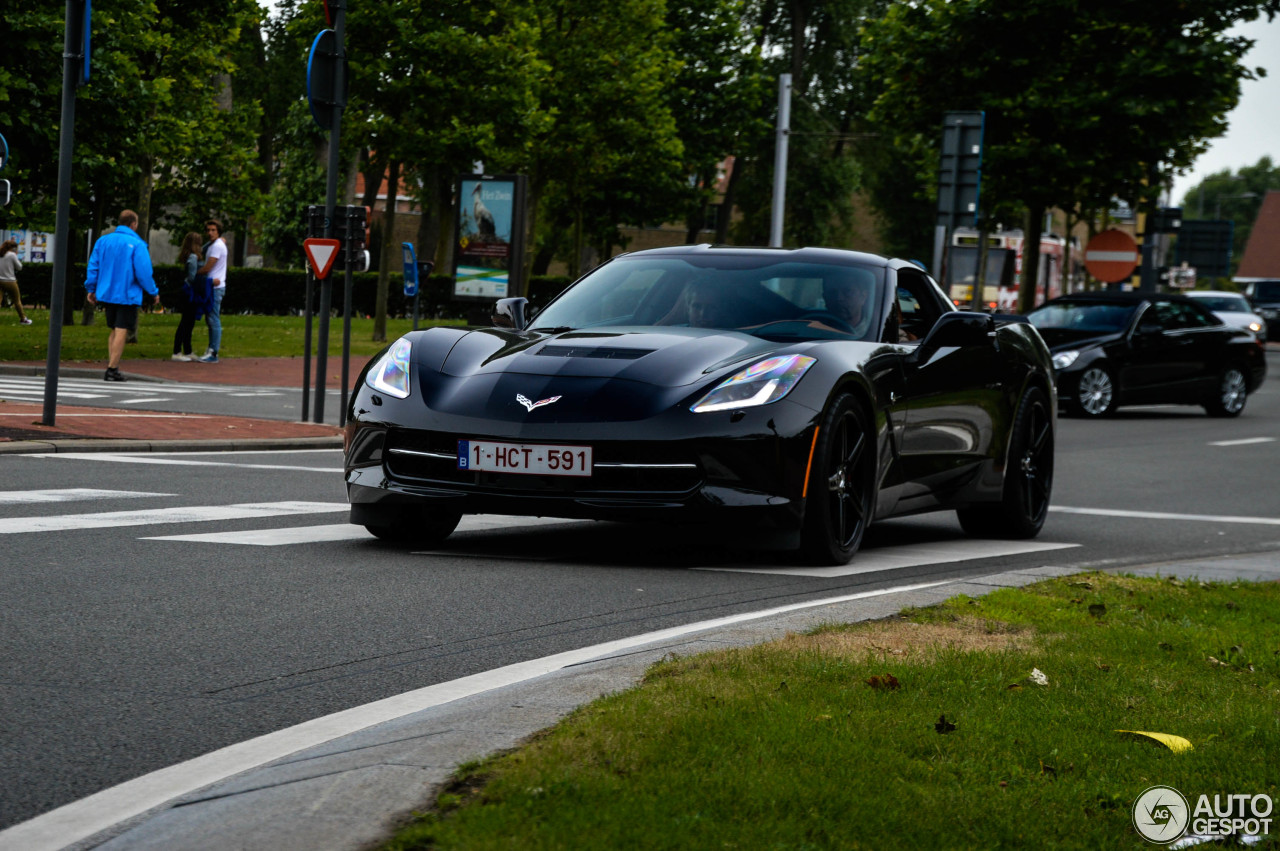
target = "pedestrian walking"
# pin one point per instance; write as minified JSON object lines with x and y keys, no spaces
{"x":118,"y":278}
{"x":10,"y":265}
{"x":194,"y":299}
{"x":215,"y":266}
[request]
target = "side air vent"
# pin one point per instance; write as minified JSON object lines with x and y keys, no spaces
{"x":592,"y":352}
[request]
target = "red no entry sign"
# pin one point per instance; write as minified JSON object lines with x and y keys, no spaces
{"x":1111,"y":256}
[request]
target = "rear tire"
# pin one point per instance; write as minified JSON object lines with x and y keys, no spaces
{"x":1028,"y":479}
{"x":841,"y":495}
{"x":426,"y":531}
{"x":1232,"y":393}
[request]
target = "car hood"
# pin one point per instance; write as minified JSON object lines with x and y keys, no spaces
{"x":1237,"y":319}
{"x":665,"y":358}
{"x":1058,"y":339}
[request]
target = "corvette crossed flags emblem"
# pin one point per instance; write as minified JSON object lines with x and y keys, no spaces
{"x":531,"y":405}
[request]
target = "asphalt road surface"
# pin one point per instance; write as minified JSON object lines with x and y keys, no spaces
{"x":158,"y":607}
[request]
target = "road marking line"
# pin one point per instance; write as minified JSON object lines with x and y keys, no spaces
{"x":891,"y":558}
{"x":349,"y":532}
{"x":1162,"y":515}
{"x":70,"y":495}
{"x":1243,"y":441}
{"x":81,"y":819}
{"x":176,"y":514}
{"x":174,"y":461}
{"x":144,"y":399}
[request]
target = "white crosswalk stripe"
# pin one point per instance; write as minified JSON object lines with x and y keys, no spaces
{"x":23,"y":387}
{"x":70,"y":495}
{"x":175,"y":514}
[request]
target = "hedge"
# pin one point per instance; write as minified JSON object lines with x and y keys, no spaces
{"x":282,"y":291}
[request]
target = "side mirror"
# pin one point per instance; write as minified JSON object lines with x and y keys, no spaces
{"x":958,"y":329}
{"x":509,"y":313}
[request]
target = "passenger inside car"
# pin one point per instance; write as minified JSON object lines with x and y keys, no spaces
{"x":849,"y":300}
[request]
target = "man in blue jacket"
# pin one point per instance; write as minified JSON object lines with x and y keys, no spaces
{"x":119,"y":275}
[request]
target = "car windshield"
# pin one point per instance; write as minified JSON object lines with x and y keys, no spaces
{"x":756,"y":294}
{"x":1085,"y":318}
{"x":1268,"y":290}
{"x":1224,"y":303}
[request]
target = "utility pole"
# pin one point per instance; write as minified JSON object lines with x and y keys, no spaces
{"x":780,"y":161}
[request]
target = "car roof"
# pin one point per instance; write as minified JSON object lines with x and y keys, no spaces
{"x":1198,"y":293}
{"x":1126,"y":298}
{"x":828,"y":255}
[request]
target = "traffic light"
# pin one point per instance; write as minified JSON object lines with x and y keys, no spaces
{"x":350,"y":227}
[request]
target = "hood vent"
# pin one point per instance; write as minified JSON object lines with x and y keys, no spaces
{"x":592,"y":352}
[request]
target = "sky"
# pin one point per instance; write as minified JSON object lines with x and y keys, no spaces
{"x":1254,"y":125}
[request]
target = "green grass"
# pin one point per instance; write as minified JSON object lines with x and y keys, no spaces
{"x":788,"y":746}
{"x":242,"y":336}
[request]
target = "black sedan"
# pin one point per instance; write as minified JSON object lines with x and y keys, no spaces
{"x":796,"y":395}
{"x":1113,"y":349}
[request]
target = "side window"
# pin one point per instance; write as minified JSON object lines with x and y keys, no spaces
{"x":917,"y":305}
{"x":1175,"y":316}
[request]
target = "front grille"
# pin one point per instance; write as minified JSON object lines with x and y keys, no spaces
{"x":633,"y":468}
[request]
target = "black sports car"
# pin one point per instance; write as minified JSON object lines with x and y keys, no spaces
{"x":1113,"y":349}
{"x":796,"y":394}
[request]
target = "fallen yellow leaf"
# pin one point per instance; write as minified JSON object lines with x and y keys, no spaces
{"x":1177,"y":744}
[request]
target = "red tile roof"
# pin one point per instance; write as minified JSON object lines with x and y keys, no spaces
{"x":1261,"y":258}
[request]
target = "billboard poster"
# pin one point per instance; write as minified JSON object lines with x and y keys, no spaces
{"x":489,"y":228}
{"x":33,"y":246}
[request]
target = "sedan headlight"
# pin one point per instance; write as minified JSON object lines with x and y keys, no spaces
{"x":759,"y":384}
{"x":390,"y":373}
{"x":1255,"y":327}
{"x":1062,"y":360}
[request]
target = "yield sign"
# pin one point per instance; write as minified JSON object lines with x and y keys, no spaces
{"x":320,"y":254}
{"x":1111,"y":256}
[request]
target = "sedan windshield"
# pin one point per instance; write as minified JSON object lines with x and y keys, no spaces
{"x":761,"y":295}
{"x":1085,"y":318}
{"x":1224,"y":303}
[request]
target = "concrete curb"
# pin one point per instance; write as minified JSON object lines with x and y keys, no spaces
{"x":28,"y":447}
{"x":75,"y":372}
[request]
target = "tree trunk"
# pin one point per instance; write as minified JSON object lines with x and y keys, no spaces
{"x":1027,"y":294}
{"x":389,"y":247}
{"x":726,"y":206}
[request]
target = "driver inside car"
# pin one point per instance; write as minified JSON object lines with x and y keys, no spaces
{"x":706,"y":306}
{"x":849,"y":300}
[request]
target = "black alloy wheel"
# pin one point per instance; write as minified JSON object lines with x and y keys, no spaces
{"x":841,"y":494}
{"x":430,"y":529}
{"x":1096,"y":392}
{"x":1028,"y":478}
{"x":1233,"y":392}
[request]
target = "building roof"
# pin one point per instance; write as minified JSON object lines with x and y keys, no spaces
{"x":1261,"y":258}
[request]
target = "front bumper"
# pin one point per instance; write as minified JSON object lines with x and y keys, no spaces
{"x":748,"y":469}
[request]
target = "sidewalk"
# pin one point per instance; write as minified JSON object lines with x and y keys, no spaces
{"x":80,"y":429}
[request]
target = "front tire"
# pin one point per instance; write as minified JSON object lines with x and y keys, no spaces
{"x":1028,"y":478}
{"x":428,"y":530}
{"x":841,"y":491}
{"x":1232,"y":393}
{"x":1096,"y":392}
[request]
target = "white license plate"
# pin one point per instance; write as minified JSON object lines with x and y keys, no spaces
{"x":542,"y":459}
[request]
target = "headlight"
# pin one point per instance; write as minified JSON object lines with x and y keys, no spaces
{"x":759,"y":384}
{"x":1255,"y":327}
{"x":1062,"y":360}
{"x":390,"y":373}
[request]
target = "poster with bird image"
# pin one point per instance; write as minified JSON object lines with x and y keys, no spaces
{"x":485,"y":226}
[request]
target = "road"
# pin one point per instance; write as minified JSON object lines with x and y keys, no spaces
{"x":223,"y":596}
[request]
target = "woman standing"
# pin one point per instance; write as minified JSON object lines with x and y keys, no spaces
{"x":9,"y":266}
{"x":191,"y":300}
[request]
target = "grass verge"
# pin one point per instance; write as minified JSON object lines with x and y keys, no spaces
{"x":926,"y":730}
{"x":242,"y":336}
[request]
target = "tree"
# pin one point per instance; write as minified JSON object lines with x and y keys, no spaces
{"x":1235,"y":196}
{"x":1085,"y":101}
{"x":817,"y":43}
